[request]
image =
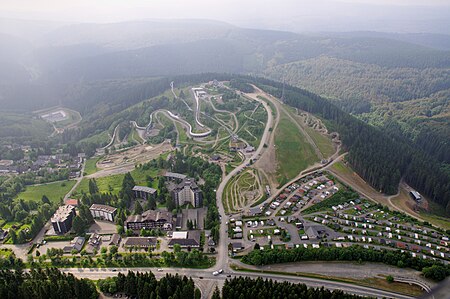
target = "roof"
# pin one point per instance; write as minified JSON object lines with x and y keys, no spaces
{"x":179,"y":235}
{"x":144,"y":189}
{"x":174,"y":175}
{"x":72,"y":202}
{"x":184,"y":242}
{"x":62,"y":213}
{"x":237,"y":245}
{"x":151,"y":215}
{"x":115,"y":240}
{"x":140,"y":241}
{"x":103,"y":208}
{"x":190,"y":182}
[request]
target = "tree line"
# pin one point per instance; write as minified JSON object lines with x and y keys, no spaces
{"x":248,"y":288}
{"x":381,"y":159}
{"x":145,"y":285}
{"x":433,"y":269}
{"x":44,"y":284}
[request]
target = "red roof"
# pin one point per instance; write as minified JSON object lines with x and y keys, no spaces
{"x":72,"y":202}
{"x":401,"y":245}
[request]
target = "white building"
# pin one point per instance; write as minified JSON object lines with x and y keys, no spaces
{"x":103,"y":212}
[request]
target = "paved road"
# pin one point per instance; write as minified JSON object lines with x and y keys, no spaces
{"x":222,"y":258}
{"x":206,"y":275}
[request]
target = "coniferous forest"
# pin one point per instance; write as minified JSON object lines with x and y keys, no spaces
{"x":247,"y":288}
{"x":44,"y":284}
{"x":381,"y":159}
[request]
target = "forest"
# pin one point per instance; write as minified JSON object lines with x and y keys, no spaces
{"x":248,"y":288}
{"x":380,"y":158}
{"x":145,"y":285}
{"x":44,"y":284}
{"x":433,"y":269}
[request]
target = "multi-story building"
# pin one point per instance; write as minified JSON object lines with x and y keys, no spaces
{"x":150,"y":220}
{"x":187,"y":192}
{"x":103,"y":212}
{"x":144,"y":192}
{"x":62,"y":219}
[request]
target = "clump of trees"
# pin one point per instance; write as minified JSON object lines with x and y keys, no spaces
{"x":145,"y":285}
{"x":212,"y":174}
{"x":44,"y":283}
{"x":430,"y":268}
{"x":245,"y":287}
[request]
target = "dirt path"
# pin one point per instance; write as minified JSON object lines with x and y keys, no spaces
{"x":267,"y":163}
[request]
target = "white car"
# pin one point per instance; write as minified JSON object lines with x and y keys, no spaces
{"x":215,"y":273}
{"x":160,"y":270}
{"x":220,"y":271}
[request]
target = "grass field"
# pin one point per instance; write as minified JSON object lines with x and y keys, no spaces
{"x":91,"y":166}
{"x":182,"y":136}
{"x":324,"y":144}
{"x":54,"y":191}
{"x":293,"y":152}
{"x":341,"y":168}
{"x":113,"y":183}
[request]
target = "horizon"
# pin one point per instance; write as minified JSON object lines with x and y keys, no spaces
{"x":320,"y":16}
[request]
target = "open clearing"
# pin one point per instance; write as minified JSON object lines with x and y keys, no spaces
{"x":122,"y":162}
{"x":242,"y":190}
{"x":293,"y":152}
{"x":54,"y":191}
{"x":401,"y":202}
{"x":113,"y":183}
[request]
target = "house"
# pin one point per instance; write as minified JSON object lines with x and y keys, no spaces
{"x":186,"y":240}
{"x":256,"y":211}
{"x":62,"y":219}
{"x":95,"y":240}
{"x":76,"y":244}
{"x":149,"y":220}
{"x":237,"y":246}
{"x":141,"y":242}
{"x":144,"y":192}
{"x":103,"y":212}
{"x":187,"y":192}
{"x":313,"y":232}
{"x":115,"y":240}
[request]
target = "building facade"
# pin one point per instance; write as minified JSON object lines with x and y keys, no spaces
{"x":62,"y":219}
{"x":187,"y":192}
{"x":103,"y":212}
{"x":150,"y":220}
{"x":144,"y":192}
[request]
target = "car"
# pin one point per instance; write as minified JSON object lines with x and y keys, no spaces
{"x":215,"y":273}
{"x":229,"y":275}
{"x":220,"y":271}
{"x":159,"y":270}
{"x":114,"y":270}
{"x":201,"y":277}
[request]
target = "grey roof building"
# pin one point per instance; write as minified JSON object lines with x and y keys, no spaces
{"x":144,"y":192}
{"x":187,"y":192}
{"x":62,"y":219}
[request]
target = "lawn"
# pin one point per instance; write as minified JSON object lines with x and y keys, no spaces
{"x":341,"y":168}
{"x":182,"y":136}
{"x":324,"y":143}
{"x":293,"y":152}
{"x":113,"y":183}
{"x":54,"y":191}
{"x":91,"y":166}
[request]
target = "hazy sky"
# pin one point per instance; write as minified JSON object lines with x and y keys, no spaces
{"x":299,"y":15}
